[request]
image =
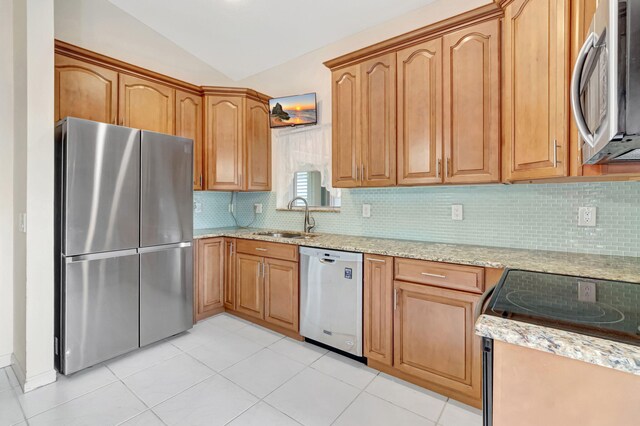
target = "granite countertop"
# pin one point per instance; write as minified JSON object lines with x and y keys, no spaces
{"x":617,"y":268}
{"x":594,"y":350}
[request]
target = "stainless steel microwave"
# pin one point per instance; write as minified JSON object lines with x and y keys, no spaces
{"x":605,"y":86}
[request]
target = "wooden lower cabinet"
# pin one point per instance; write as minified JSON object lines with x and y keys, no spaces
{"x":249,"y":285}
{"x":281,"y":298}
{"x":209,"y":277}
{"x":230,"y":273}
{"x":423,"y":331}
{"x":378,"y":308}
{"x":434,"y":337}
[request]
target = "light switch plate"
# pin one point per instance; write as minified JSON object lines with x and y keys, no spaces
{"x":587,"y":216}
{"x":197,"y":207}
{"x":366,"y":210}
{"x":22,"y":225}
{"x":258,"y":208}
{"x":456,"y":212}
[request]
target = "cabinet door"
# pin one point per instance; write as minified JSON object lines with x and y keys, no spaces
{"x":281,"y":293}
{"x":189,"y":125}
{"x":250,"y":285}
{"x":258,"y":150}
{"x":210,"y":277}
{"x":84,"y":90}
{"x":471,"y":99}
{"x":223,"y":145}
{"x":378,"y":121}
{"x":346,"y":127}
{"x":146,"y":105}
{"x":378,"y":308}
{"x":230,"y":273}
{"x":434,"y":337}
{"x":536,"y":78}
{"x":420,"y":114}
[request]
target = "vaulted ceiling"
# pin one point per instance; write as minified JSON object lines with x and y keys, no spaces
{"x":241,"y":38}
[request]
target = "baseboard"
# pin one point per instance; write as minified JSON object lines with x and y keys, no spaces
{"x":32,"y":383}
{"x":5,"y":360}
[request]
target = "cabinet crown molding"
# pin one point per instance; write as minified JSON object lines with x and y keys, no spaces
{"x":489,"y":11}
{"x":77,"y":52}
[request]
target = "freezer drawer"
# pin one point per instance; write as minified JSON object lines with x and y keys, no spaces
{"x":166,"y":209}
{"x":166,"y":291}
{"x":99,"y":294}
{"x":331,"y":298}
{"x":100,"y":187}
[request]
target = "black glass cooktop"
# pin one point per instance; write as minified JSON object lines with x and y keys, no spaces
{"x":569,"y":303}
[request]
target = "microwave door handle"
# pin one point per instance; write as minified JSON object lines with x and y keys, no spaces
{"x":576,"y":106}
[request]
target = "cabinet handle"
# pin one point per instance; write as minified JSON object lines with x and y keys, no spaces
{"x":357,"y":173}
{"x":555,"y":153}
{"x":258,"y":271}
{"x":375,"y":260}
{"x":264,"y":270}
{"x":362,"y":174}
{"x":426,"y":274}
{"x":448,"y":166}
{"x":261,"y":249}
{"x":395,"y":299}
{"x":438,"y":167}
{"x":200,"y":181}
{"x":231,"y":249}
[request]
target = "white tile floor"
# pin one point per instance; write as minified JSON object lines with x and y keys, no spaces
{"x":228,"y":371}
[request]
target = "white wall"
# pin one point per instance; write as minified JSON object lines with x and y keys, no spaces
{"x":308,"y":74}
{"x":6,"y":182}
{"x":33,"y":192}
{"x":102,"y":27}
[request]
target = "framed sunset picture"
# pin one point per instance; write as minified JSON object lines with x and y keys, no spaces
{"x":299,"y":110}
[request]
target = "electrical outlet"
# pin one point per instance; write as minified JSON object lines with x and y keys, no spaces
{"x":456,"y":212}
{"x":366,"y":210}
{"x":22,"y":225}
{"x":587,"y":216}
{"x":230,"y":208}
{"x":587,"y":291}
{"x":197,"y":207}
{"x":258,"y":208}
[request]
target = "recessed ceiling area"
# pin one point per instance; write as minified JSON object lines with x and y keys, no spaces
{"x":243,"y":37}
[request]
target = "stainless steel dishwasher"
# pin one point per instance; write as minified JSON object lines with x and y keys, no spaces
{"x":331,"y":298}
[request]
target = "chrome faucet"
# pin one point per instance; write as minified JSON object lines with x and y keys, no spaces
{"x":309,"y":222}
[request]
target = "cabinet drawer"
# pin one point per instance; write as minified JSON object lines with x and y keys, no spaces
{"x":266,"y":249}
{"x":460,"y":277}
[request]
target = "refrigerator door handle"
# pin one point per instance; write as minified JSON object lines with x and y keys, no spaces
{"x":143,"y":250}
{"x":98,"y":256}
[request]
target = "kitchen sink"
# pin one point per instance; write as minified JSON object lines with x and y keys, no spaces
{"x":289,"y":235}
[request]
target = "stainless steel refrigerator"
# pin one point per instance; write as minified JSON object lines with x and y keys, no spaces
{"x":124,"y":229}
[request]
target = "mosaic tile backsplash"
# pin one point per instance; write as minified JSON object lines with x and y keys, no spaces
{"x":541,"y":216}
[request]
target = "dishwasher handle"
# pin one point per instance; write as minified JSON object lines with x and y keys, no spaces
{"x":330,"y":261}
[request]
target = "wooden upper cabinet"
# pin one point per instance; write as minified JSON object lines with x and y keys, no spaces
{"x":146,"y":105}
{"x":281,"y":298}
{"x":346,"y":127}
{"x":471,"y":99}
{"x":84,"y":90}
{"x":224,"y":127}
{"x":210,"y":276}
{"x":434,"y":337}
{"x":249,"y":285}
{"x":258,"y":147}
{"x":378,"y":308}
{"x":378,"y":140}
{"x":536,"y":89}
{"x":189,"y":125}
{"x":420,"y":114}
{"x":230,"y":273}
